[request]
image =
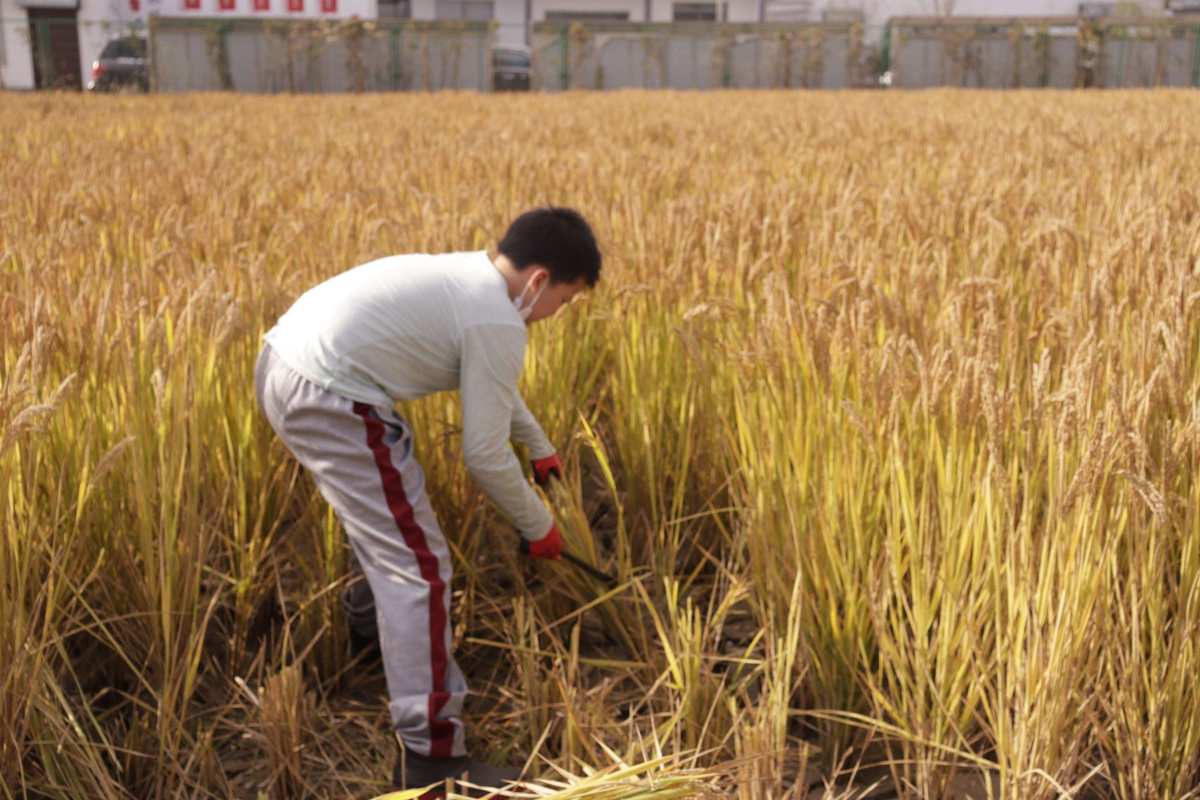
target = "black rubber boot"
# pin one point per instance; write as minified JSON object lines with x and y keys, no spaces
{"x":414,"y":771}
{"x":358,"y":604}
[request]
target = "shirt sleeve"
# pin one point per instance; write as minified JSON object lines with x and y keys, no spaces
{"x":527,"y":431}
{"x":492,"y":359}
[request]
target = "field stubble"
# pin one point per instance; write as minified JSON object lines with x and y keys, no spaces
{"x":885,"y":417}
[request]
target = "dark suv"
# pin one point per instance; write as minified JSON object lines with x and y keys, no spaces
{"x":510,"y":68}
{"x":122,"y":65}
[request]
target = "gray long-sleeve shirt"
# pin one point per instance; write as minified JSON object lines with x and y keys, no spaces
{"x":402,"y":327}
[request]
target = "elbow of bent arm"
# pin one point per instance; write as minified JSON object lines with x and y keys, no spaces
{"x":476,"y":469}
{"x":483,"y":463}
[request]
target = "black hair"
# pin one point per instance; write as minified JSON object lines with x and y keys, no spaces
{"x":558,"y":239}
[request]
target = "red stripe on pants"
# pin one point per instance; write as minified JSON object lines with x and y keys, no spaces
{"x":441,"y":732}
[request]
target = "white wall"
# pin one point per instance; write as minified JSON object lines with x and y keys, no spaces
{"x":660,"y":10}
{"x":743,"y":10}
{"x":739,"y":10}
{"x":510,"y":14}
{"x":276,"y":9}
{"x":16,"y":57}
{"x":510,"y":20}
{"x":877,"y":12}
{"x":635,"y":8}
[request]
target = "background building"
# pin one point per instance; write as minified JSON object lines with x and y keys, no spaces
{"x":875,"y":13}
{"x":515,"y":16}
{"x":68,"y":35}
{"x":65,"y":36}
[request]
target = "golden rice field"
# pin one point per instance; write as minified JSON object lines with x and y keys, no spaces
{"x":886,"y":416}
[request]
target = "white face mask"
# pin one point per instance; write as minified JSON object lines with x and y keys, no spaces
{"x":519,"y":302}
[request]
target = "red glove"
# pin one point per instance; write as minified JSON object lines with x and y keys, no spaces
{"x":549,"y":546}
{"x":543,"y":468}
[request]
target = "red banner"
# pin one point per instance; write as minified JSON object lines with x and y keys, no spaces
{"x":329,"y":6}
{"x":262,"y":5}
{"x":191,"y":5}
{"x":295,"y":5}
{"x":226,"y":5}
{"x":135,"y":5}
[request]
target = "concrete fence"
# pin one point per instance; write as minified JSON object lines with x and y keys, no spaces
{"x":1057,"y":52}
{"x":697,"y":56}
{"x":317,"y":56}
{"x":259,"y":55}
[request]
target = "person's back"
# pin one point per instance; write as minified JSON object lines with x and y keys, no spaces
{"x":328,"y":378}
{"x":393,"y":329}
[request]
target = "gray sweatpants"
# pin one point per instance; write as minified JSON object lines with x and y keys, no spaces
{"x":361,"y":457}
